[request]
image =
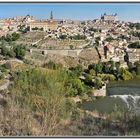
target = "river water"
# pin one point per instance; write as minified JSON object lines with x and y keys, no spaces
{"x":123,"y":94}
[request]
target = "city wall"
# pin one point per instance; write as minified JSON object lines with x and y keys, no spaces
{"x":66,"y":52}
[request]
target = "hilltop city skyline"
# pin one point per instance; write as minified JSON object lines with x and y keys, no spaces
{"x":69,"y":69}
{"x":125,"y":12}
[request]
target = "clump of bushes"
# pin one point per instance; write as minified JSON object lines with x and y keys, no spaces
{"x":9,"y":38}
{"x":17,"y":51}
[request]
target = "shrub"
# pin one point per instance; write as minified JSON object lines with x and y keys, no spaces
{"x":1,"y":75}
{"x":71,"y":47}
{"x":110,"y":39}
{"x":88,"y":80}
{"x":106,"y":77}
{"x":75,"y":87}
{"x":126,"y":75}
{"x":43,"y":91}
{"x":77,"y":71}
{"x":4,"y":51}
{"x":138,"y":69}
{"x":15,"y":36}
{"x":63,"y":36}
{"x":78,"y":37}
{"x":97,"y":83}
{"x":134,"y":45}
{"x":6,"y":65}
{"x":9,"y":38}
{"x":92,"y":72}
{"x":20,"y":51}
{"x":52,"y":65}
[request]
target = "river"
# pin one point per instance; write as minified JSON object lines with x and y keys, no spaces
{"x":123,"y":94}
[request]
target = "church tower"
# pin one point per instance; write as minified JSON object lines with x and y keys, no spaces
{"x":51,"y":15}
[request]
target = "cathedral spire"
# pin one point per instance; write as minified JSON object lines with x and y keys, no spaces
{"x":51,"y":15}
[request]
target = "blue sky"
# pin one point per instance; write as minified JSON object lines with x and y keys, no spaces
{"x":126,"y":12}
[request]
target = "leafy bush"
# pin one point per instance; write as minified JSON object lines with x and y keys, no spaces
{"x":15,"y":36}
{"x":138,"y":69}
{"x":88,"y":80}
{"x":97,"y":83}
{"x":110,"y":39}
{"x":126,"y":75}
{"x":136,"y":25}
{"x":6,"y":66}
{"x":78,"y":37}
{"x":20,"y":51}
{"x":9,"y":38}
{"x":52,"y":65}
{"x":4,"y":51}
{"x":97,"y":67}
{"x":75,"y":87}
{"x":77,"y":71}
{"x":43,"y":91}
{"x":63,"y":36}
{"x":71,"y":47}
{"x":1,"y":75}
{"x":92,"y":72}
{"x":134,"y":45}
{"x":106,"y":77}
{"x":17,"y":51}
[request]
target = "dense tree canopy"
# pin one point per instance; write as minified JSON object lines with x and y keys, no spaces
{"x":134,"y":45}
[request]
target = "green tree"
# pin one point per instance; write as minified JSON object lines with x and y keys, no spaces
{"x":75,"y":87}
{"x":92,"y":72}
{"x":110,"y":39}
{"x":15,"y":36}
{"x":134,"y":45}
{"x":63,"y":37}
{"x":20,"y":51}
{"x":8,"y":38}
{"x":106,"y":68}
{"x":117,"y":65}
{"x":126,"y":75}
{"x":99,"y":68}
{"x":97,"y":39}
{"x":4,"y":51}
{"x":51,"y":65}
{"x":92,"y":66}
{"x":88,"y":80}
{"x":78,"y":37}
{"x":36,"y":28}
{"x":97,"y":83}
{"x":138,"y":69}
{"x":112,"y":67}
{"x":71,"y":47}
{"x":77,"y":70}
{"x":130,"y":66}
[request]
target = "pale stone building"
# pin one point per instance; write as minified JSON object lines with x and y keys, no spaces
{"x":106,"y":17}
{"x":44,"y":25}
